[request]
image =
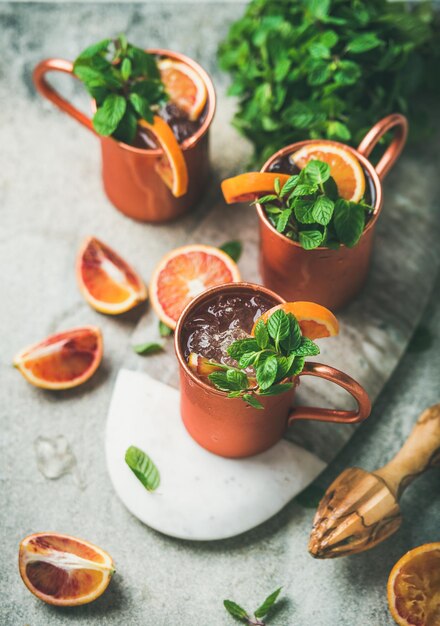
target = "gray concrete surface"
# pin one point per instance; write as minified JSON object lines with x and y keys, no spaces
{"x":44,"y":216}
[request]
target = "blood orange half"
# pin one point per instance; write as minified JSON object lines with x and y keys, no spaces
{"x":107,"y":282}
{"x":63,"y":360}
{"x":184,"y":85}
{"x":315,"y":320}
{"x":63,"y":570}
{"x":183,"y":274}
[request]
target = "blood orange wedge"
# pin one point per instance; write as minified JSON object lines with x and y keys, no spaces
{"x":249,"y":186}
{"x":184,"y":273}
{"x":185,"y":87}
{"x":172,"y":166}
{"x":106,"y":281}
{"x":344,"y":167}
{"x":62,"y":361}
{"x":201,"y":365}
{"x":63,"y":570}
{"x":314,"y":319}
{"x":414,"y":587}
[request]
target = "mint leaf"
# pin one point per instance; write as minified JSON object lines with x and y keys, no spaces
{"x":147,"y":348}
{"x":261,"y":335}
{"x":239,"y":347}
{"x":164,"y":330}
{"x":304,"y":189}
{"x":126,"y":69}
{"x":94,"y":49}
{"x":141,"y":106}
{"x":220,"y":380}
{"x":349,"y":222}
{"x":322,"y":210}
{"x":310,"y":239}
{"x":363,"y":43}
{"x":278,"y":325}
{"x":317,"y":171}
{"x":237,"y":379}
{"x":143,"y":468}
{"x":268,"y":603}
{"x":306,"y":348}
{"x":288,"y":186}
{"x":304,"y":211}
{"x":275,"y":390}
{"x":108,"y":116}
{"x":297,"y":366}
{"x":283,"y":219}
{"x":247,"y":359}
{"x":267,"y":372}
{"x":235,"y":610}
{"x":252,"y":401}
{"x":233,"y":249}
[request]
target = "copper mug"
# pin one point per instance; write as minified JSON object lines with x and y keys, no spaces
{"x":329,"y":277}
{"x":228,"y":426}
{"x":129,"y":174}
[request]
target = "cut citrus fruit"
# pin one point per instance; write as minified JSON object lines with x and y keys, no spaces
{"x":63,"y":360}
{"x":414,"y":587}
{"x":249,"y":186}
{"x":315,"y":320}
{"x":344,"y":167}
{"x":172,"y":166}
{"x":185,"y":86}
{"x":63,"y":570}
{"x":201,"y":365}
{"x":106,"y":281}
{"x":183,"y":274}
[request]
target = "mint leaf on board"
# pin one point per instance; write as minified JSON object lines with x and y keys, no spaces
{"x":148,"y":348}
{"x":164,"y":330}
{"x":143,"y":468}
{"x":233,"y":249}
{"x":235,"y":610}
{"x":264,"y":609}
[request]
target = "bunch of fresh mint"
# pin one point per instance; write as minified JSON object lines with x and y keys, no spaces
{"x":124,"y":81}
{"x":308,"y":209}
{"x":329,"y":68}
{"x":265,"y":361}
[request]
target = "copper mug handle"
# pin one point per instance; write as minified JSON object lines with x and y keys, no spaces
{"x":400,"y":125}
{"x":46,"y":90}
{"x":333,"y":415}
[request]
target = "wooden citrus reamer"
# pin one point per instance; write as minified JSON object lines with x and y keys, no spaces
{"x":360,"y":509}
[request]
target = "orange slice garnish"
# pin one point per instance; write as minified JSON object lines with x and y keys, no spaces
{"x":183,"y":274}
{"x":250,"y":186}
{"x":414,"y":587}
{"x":172,"y":166}
{"x":63,"y":360}
{"x":63,"y":570}
{"x":201,"y":365}
{"x":185,"y":86}
{"x":108,"y":283}
{"x":345,"y":168}
{"x":315,"y":320}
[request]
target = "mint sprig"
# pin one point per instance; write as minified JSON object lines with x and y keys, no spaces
{"x":265,"y":362}
{"x":124,"y":81}
{"x":241,"y":614}
{"x":308,"y":209}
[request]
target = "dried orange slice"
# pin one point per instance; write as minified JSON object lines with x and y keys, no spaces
{"x":249,"y":186}
{"x":172,"y":166}
{"x":183,"y":274}
{"x":184,"y":85}
{"x":413,"y":587}
{"x":344,"y":167}
{"x":63,"y":360}
{"x":314,"y":319}
{"x":63,"y":570}
{"x":107,"y":282}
